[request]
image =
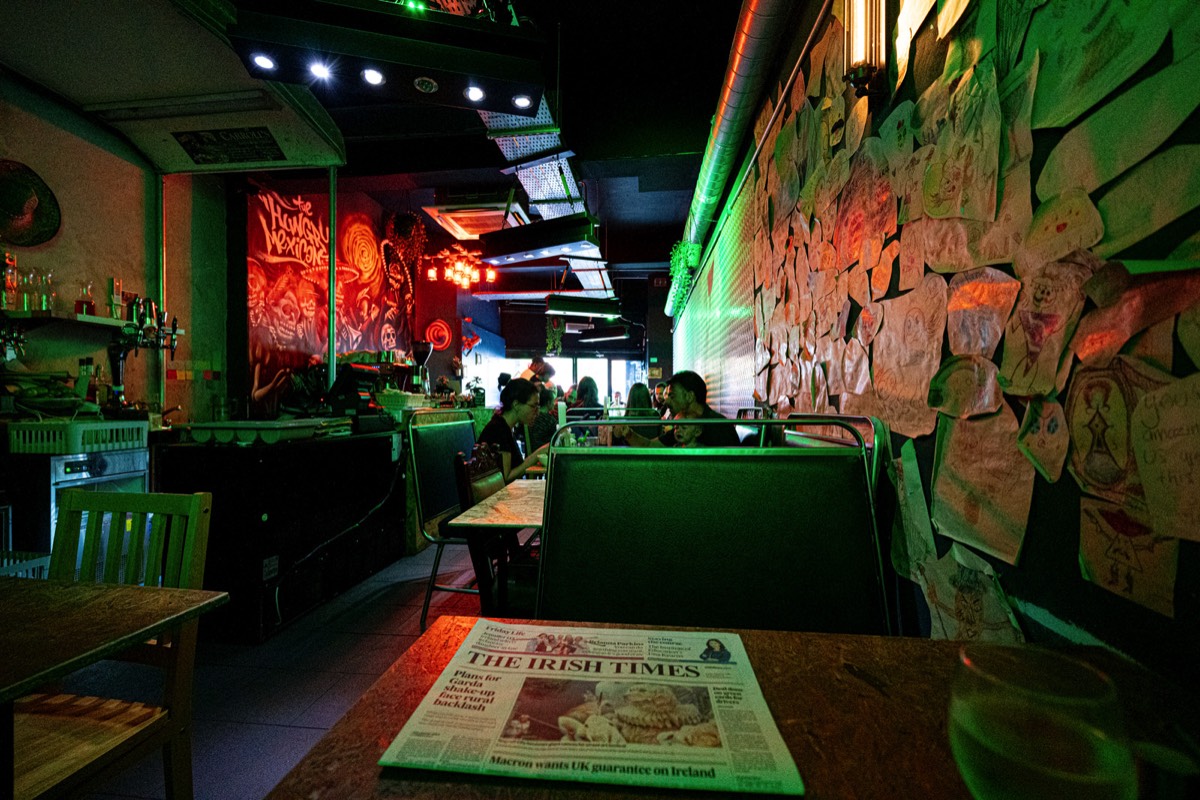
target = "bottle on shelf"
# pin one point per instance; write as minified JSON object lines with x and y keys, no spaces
{"x":12,"y":282}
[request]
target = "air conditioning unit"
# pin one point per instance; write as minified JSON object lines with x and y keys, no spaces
{"x":469,"y":217}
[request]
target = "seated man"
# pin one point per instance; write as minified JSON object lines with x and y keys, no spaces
{"x":686,"y":396}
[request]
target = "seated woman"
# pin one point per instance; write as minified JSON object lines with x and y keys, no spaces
{"x":587,"y":405}
{"x":642,"y":405}
{"x":518,"y":404}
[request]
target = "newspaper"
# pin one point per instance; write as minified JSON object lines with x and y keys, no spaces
{"x":636,"y":707}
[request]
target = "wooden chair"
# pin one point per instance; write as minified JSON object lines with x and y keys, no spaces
{"x":434,"y":437}
{"x":66,"y":744}
{"x":477,"y":478}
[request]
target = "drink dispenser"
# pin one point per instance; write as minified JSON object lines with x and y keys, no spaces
{"x":420,"y":374}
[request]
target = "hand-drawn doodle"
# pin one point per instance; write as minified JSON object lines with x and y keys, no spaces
{"x":965,"y":600}
{"x":1165,"y":434}
{"x":961,"y":178}
{"x":867,"y":207}
{"x":1156,"y":192}
{"x":858,"y":284}
{"x":881,"y":275}
{"x":897,"y":140}
{"x":1105,"y":145}
{"x":912,"y":14}
{"x":1187,"y":328}
{"x":979,"y":306}
{"x":1109,"y":41}
{"x":912,"y":538}
{"x":966,"y":386}
{"x":1120,"y":552}
{"x":856,"y":368}
{"x":907,"y":352}
{"x":912,"y":257}
{"x":1155,"y":345}
{"x":1012,"y":20}
{"x":1060,"y":225}
{"x":1099,"y":406}
{"x":1044,"y":438}
{"x":1047,"y":309}
{"x":910,"y":184}
{"x":982,"y":485}
{"x":1147,"y":300}
{"x":868,"y":323}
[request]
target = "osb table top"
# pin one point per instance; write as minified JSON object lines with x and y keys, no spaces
{"x":517,"y":505}
{"x":863,"y":716}
{"x":51,"y":628}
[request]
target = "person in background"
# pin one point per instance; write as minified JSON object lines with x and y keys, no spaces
{"x":642,"y":405}
{"x":538,"y":372}
{"x":687,"y":394}
{"x":687,"y":435}
{"x":587,"y":405}
{"x":587,"y":394}
{"x":518,"y":405}
{"x":660,"y":398}
{"x":546,"y":422}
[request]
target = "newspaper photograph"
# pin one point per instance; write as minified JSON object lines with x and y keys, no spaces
{"x":637,"y":707}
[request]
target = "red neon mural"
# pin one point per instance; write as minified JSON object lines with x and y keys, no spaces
{"x":287,"y":282}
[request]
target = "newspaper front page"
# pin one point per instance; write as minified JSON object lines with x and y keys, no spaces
{"x":640,"y":707}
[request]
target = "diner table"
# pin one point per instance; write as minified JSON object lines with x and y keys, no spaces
{"x":52,"y":628}
{"x":490,"y":527}
{"x":863,"y":717}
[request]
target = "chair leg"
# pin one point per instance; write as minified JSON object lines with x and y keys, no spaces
{"x":437,"y":560}
{"x":177,"y":765}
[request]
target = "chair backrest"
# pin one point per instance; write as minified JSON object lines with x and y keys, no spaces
{"x":134,"y":538}
{"x":715,"y":537}
{"x":479,"y":475}
{"x":434,"y":438}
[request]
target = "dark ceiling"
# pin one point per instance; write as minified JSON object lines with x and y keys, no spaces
{"x":632,"y":89}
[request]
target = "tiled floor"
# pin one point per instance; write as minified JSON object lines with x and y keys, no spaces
{"x":259,"y":708}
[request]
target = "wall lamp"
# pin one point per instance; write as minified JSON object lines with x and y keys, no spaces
{"x":866,"y":47}
{"x":566,"y":305}
{"x":374,"y":51}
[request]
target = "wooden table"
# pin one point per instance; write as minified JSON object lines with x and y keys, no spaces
{"x":517,"y":505}
{"x":52,"y":628}
{"x":863,"y":716}
{"x":490,"y":528}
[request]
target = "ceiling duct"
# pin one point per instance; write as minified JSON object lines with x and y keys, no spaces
{"x":760,"y":29}
{"x":540,"y":163}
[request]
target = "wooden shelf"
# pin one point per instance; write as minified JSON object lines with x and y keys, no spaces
{"x":38,"y":318}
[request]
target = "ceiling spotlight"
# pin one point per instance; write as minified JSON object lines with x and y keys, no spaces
{"x":474,"y":94}
{"x":425,"y":85}
{"x":319,"y":70}
{"x":522,"y":101}
{"x":263,"y":61}
{"x":373,"y":76}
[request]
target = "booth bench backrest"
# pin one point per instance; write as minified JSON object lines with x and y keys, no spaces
{"x":434,"y":447}
{"x":777,"y":538}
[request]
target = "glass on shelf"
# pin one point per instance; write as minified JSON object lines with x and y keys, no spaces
{"x":85,"y":303}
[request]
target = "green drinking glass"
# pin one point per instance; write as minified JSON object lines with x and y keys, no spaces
{"x":1029,"y":723}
